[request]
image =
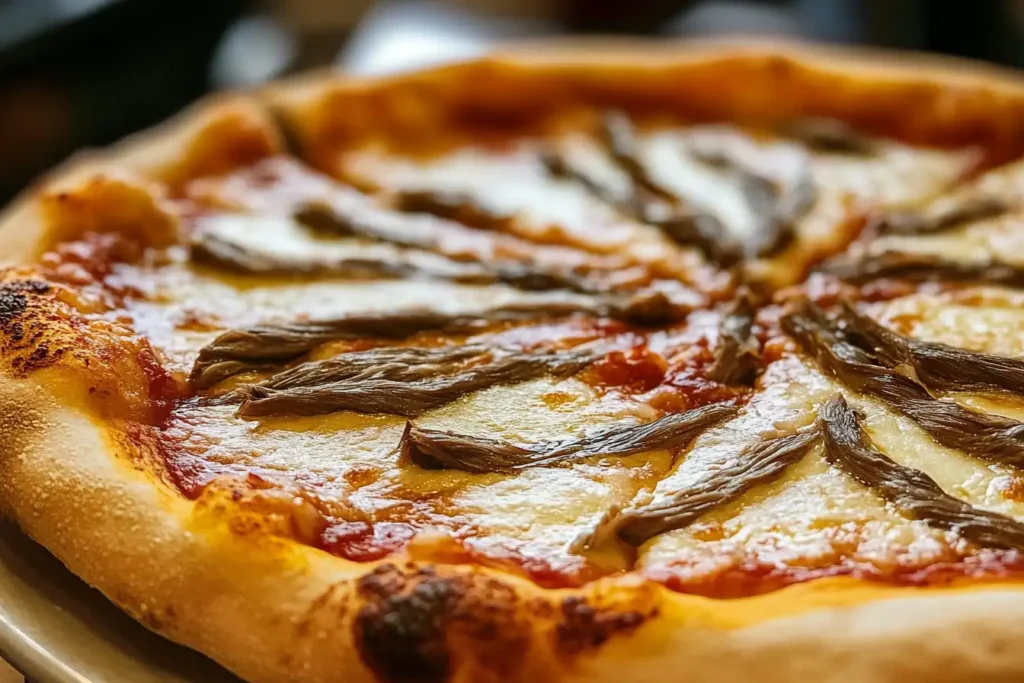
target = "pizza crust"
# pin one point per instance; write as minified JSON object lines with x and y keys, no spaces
{"x":229,"y":580}
{"x":214,"y":136}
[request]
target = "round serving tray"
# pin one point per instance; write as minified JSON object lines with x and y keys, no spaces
{"x":56,"y":629}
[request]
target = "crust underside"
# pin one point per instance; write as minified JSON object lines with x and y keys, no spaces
{"x":215,"y":578}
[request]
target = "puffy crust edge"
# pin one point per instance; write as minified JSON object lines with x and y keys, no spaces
{"x":274,"y":610}
{"x":921,"y":98}
{"x":213,"y":136}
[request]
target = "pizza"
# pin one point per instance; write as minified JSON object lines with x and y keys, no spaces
{"x":603,"y":362}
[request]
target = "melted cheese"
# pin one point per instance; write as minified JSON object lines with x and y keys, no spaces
{"x":998,"y":238}
{"x":514,"y":182}
{"x":813,"y":517}
{"x":217,"y":302}
{"x":352,"y":463}
{"x":995,"y":324}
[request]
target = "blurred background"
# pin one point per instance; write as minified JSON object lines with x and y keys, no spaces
{"x":77,"y":73}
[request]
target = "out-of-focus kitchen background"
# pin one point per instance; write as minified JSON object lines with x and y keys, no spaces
{"x":77,"y":73}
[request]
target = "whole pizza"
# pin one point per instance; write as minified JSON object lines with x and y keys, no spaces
{"x":597,"y":363}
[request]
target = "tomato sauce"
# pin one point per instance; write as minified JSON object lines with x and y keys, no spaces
{"x":365,"y":542}
{"x":746,"y":579}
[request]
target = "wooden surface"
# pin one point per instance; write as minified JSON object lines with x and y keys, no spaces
{"x":9,"y":675}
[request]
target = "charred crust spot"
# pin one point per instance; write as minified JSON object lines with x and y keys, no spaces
{"x":14,"y":298}
{"x":18,"y":329}
{"x":420,"y":626}
{"x":401,"y":632}
{"x":584,"y":626}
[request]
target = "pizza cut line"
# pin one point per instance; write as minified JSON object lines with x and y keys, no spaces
{"x":579,"y":376}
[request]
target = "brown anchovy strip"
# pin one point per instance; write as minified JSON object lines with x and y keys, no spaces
{"x":437,"y":449}
{"x":684,"y":225}
{"x":619,"y":139}
{"x":385,"y":226}
{"x":449,"y":205}
{"x":993,"y":438}
{"x":558,"y":166}
{"x":703,"y":231}
{"x":912,"y":492}
{"x":829,"y":135}
{"x":937,"y":366}
{"x":922,"y":268}
{"x":269,"y":346}
{"x":776,"y":213}
{"x":266,"y":347}
{"x":970,"y":210}
{"x":214,"y":250}
{"x":405,"y":382}
{"x":759,"y":463}
{"x":738,"y":354}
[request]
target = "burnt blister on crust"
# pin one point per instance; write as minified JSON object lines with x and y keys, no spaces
{"x":402,"y":632}
{"x":419,"y":625}
{"x":26,"y":341}
{"x":14,"y":299}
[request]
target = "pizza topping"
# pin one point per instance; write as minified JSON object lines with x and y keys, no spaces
{"x":991,"y":437}
{"x":450,"y":205}
{"x":269,"y":346}
{"x":762,"y":462}
{"x":320,"y":375}
{"x":558,"y":166}
{"x":937,"y":366}
{"x":703,"y":231}
{"x":441,"y":449}
{"x":219,"y":251}
{"x":650,"y":203}
{"x":950,"y":216}
{"x":401,"y":381}
{"x":912,"y":492}
{"x":332,"y":209}
{"x":830,"y":136}
{"x":922,"y":268}
{"x":637,"y":369}
{"x":620,"y":140}
{"x":530,"y":276}
{"x":738,"y":354}
{"x":775,"y":212}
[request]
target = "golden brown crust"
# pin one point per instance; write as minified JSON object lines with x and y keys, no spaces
{"x":215,"y":136}
{"x":916,"y":98}
{"x":229,"y":580}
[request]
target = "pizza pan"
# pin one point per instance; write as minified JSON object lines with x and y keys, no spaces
{"x":56,"y":629}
